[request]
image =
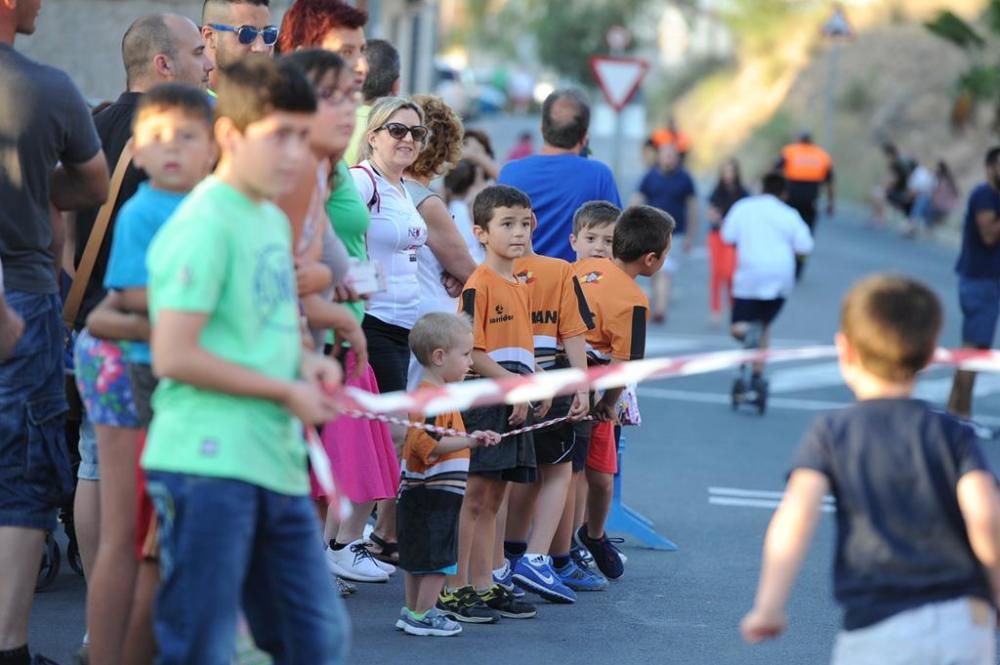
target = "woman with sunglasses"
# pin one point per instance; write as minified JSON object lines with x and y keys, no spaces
{"x":444,"y":263}
{"x":394,"y":138}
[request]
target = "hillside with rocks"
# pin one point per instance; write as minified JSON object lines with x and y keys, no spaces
{"x":894,"y":81}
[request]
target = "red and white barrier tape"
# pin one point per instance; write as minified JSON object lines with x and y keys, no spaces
{"x":545,"y":385}
{"x":445,"y":431}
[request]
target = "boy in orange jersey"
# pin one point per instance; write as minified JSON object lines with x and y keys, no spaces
{"x":500,"y":309}
{"x":560,"y":318}
{"x":641,"y":242}
{"x":434,"y":474}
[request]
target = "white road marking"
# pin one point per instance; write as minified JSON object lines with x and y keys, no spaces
{"x":938,"y":390}
{"x":754,"y":494}
{"x":807,"y":377}
{"x":734,"y":497}
{"x":723,"y":398}
{"x":791,"y":403}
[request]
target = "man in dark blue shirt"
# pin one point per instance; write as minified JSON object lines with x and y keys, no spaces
{"x":978,"y":269}
{"x":669,"y":187}
{"x":558,"y":180}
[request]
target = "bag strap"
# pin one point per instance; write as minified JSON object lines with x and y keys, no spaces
{"x":86,"y":268}
{"x":374,"y":201}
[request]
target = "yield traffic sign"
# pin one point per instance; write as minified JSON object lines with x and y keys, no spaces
{"x":618,"y":77}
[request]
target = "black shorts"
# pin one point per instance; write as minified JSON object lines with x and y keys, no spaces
{"x":554,"y":445}
{"x":581,"y":444}
{"x":749,"y":310}
{"x":388,"y":353}
{"x":427,"y":529}
{"x":513,"y":459}
{"x":807,"y":210}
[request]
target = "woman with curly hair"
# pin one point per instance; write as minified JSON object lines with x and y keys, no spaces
{"x":444,"y":263}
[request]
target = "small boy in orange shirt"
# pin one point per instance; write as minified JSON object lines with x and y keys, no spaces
{"x":641,"y":241}
{"x":433,"y":477}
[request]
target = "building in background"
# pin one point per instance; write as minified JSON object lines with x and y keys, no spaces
{"x":96,"y":66}
{"x":413,"y":28}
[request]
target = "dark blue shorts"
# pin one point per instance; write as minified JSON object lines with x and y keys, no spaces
{"x":980,"y":301}
{"x":750,"y":310}
{"x":36,"y":473}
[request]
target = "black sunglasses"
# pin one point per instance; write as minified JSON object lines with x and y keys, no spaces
{"x":247,"y":34}
{"x":398,"y":130}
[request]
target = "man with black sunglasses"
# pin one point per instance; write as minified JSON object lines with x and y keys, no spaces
{"x":233,"y":29}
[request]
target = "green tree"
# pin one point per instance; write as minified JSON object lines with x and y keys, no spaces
{"x":569,"y":33}
{"x":980,"y":82}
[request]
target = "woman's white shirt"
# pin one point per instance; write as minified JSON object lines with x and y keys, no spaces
{"x":396,"y":234}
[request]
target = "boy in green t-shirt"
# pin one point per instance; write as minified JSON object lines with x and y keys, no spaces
{"x":225,"y":459}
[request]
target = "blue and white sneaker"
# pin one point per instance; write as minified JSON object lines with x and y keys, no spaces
{"x":535,"y":574}
{"x":581,"y":578}
{"x":434,"y":624}
{"x":506,"y":579}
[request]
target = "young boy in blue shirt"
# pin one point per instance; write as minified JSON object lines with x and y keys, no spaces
{"x":917,"y":566}
{"x":172,"y":135}
{"x":225,"y":458}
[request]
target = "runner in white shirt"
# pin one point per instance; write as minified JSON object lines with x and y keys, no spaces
{"x":768,"y":235}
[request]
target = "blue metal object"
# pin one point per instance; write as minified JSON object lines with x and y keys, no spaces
{"x":623,"y":519}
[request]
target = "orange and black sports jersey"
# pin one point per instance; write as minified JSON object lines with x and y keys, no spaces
{"x":620,"y":311}
{"x":806,"y":162}
{"x":421,"y":467}
{"x":501,"y":319}
{"x":558,"y":307}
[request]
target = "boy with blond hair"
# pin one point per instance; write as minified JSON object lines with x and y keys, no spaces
{"x":434,"y":473}
{"x":917,"y":567}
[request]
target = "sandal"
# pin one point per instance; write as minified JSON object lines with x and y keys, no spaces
{"x":388,"y":552}
{"x":345,"y":587}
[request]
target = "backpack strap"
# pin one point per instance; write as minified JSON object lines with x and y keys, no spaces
{"x":375,"y":201}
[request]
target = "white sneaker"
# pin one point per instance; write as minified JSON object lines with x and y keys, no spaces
{"x":387,"y":567}
{"x":354,"y":562}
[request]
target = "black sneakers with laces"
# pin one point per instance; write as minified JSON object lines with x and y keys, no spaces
{"x":465,"y":605}
{"x":500,"y":599}
{"x":606,"y":555}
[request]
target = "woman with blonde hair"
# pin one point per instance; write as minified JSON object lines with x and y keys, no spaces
{"x":394,"y":138}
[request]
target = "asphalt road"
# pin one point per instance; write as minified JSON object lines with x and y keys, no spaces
{"x":707,"y":477}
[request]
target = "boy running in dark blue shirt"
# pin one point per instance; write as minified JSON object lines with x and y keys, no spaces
{"x":917,"y":566}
